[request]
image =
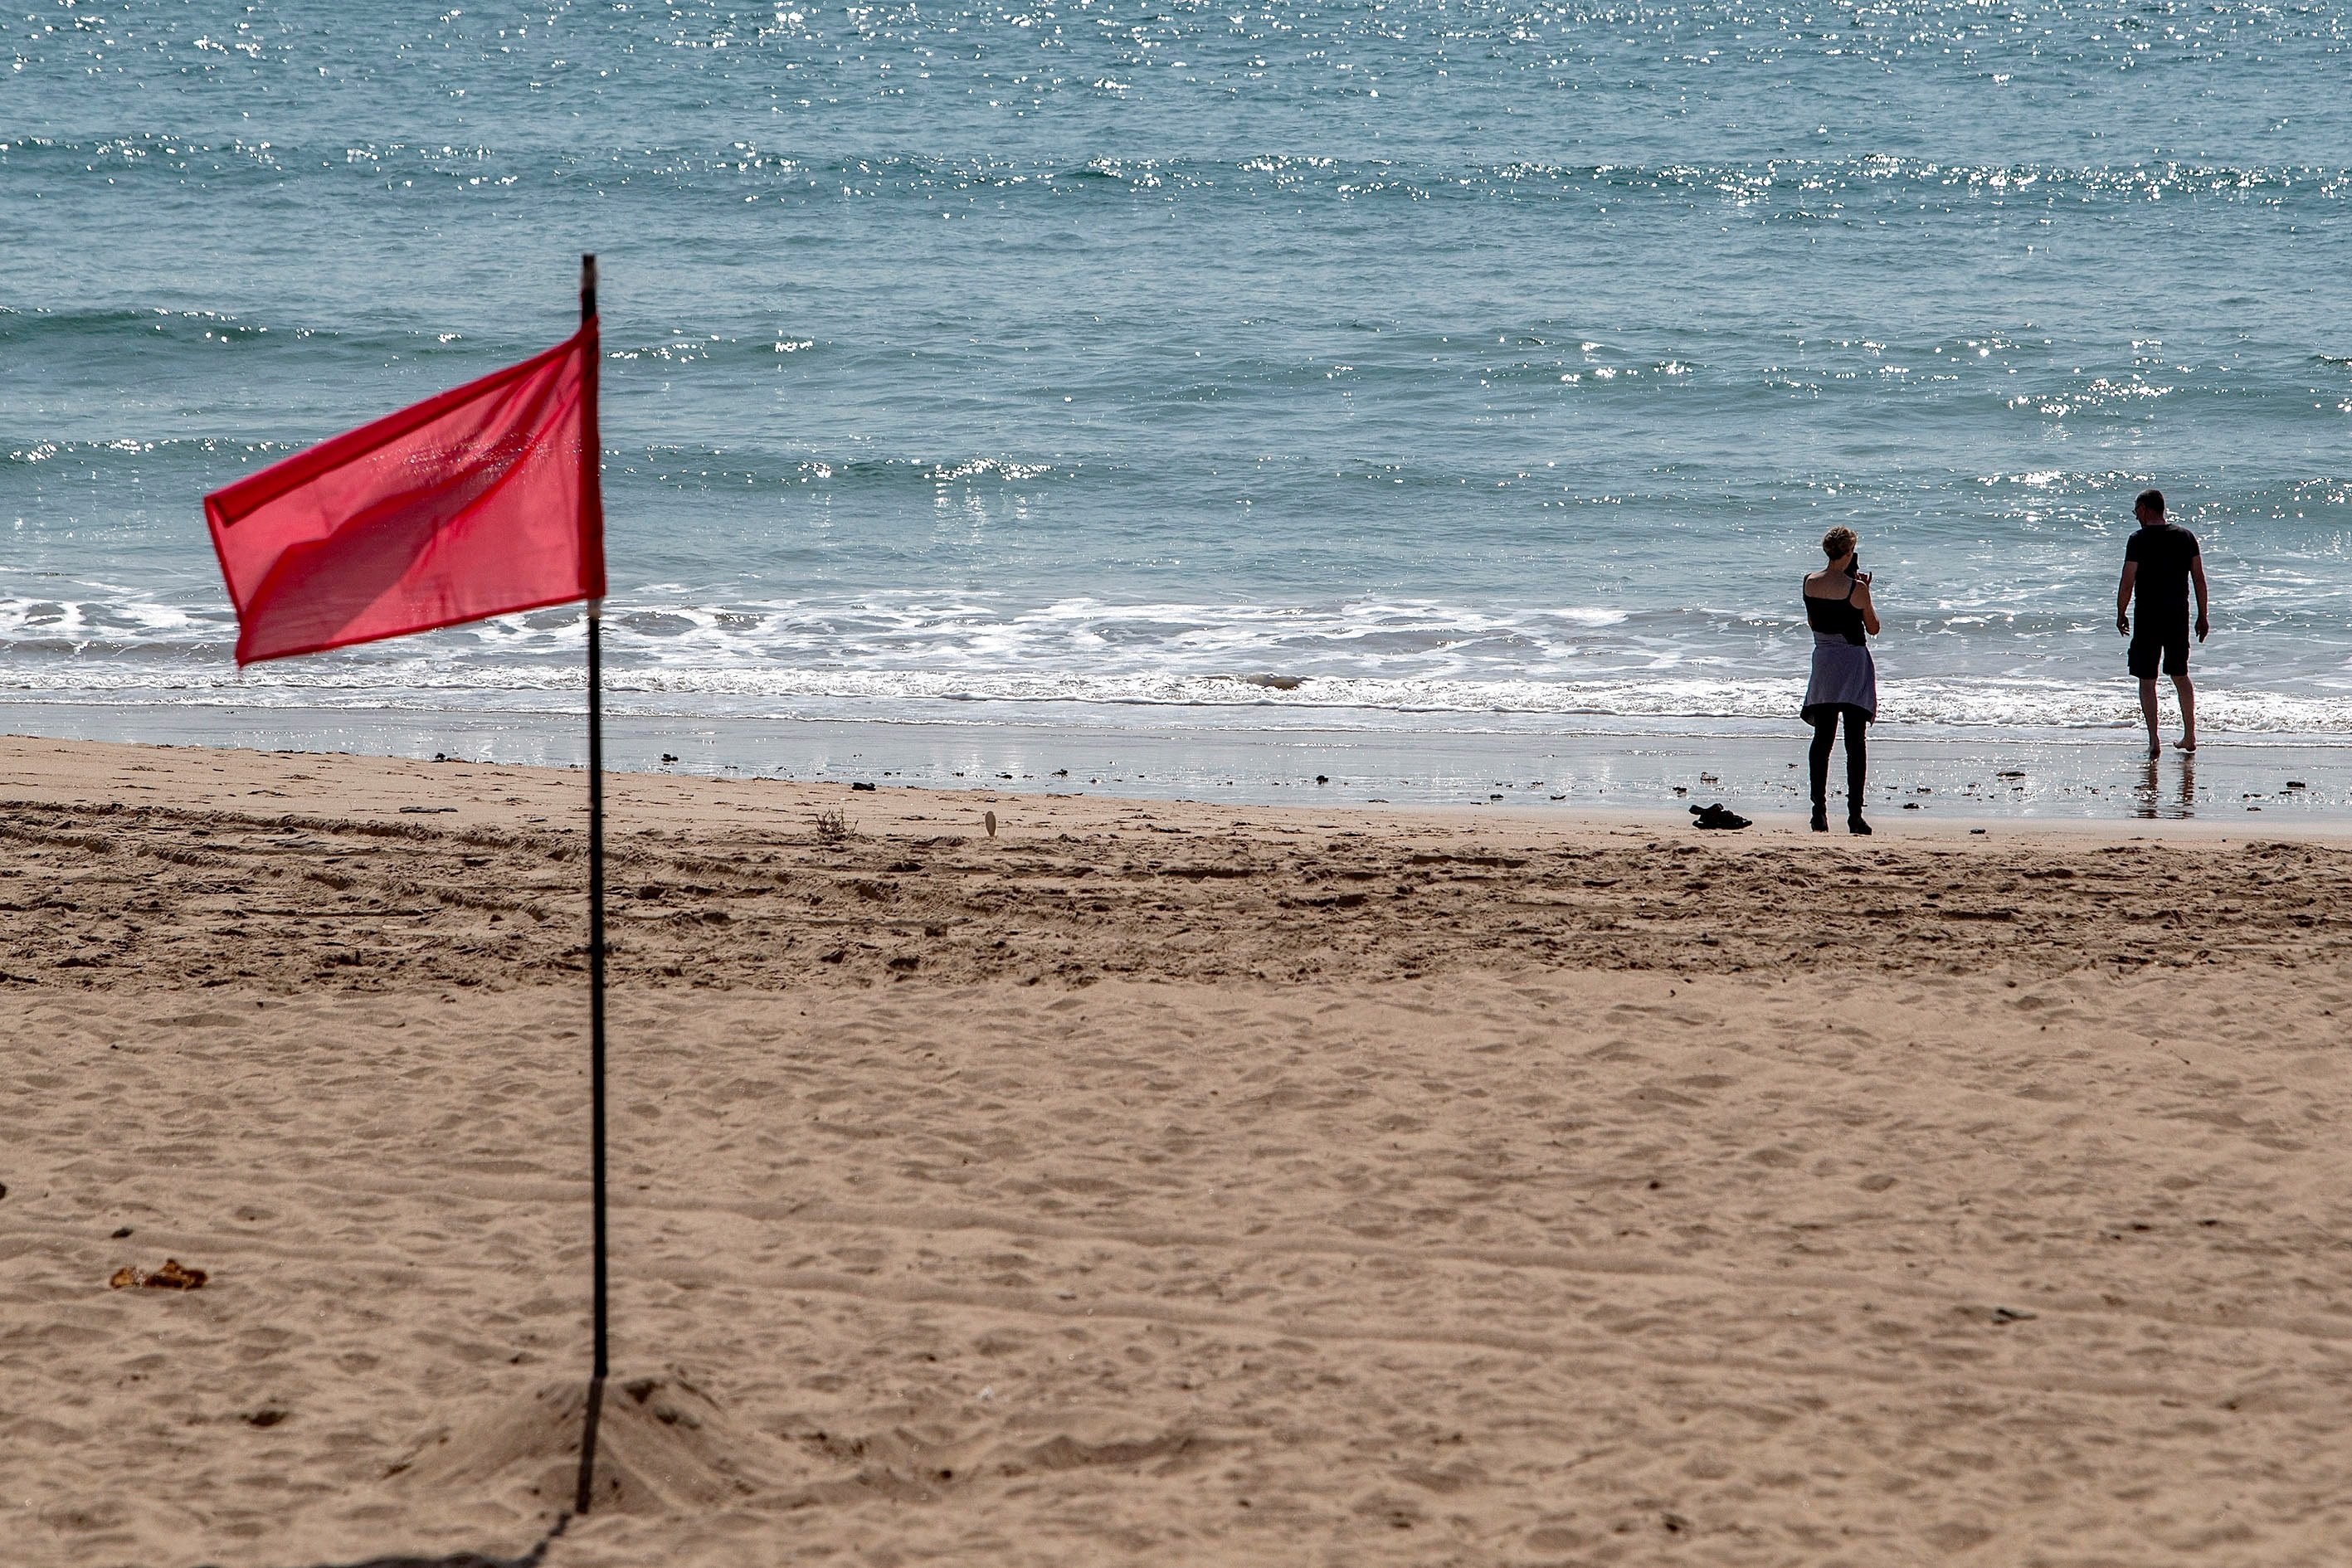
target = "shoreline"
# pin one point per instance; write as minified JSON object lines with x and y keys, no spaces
{"x":1756,"y":773}
{"x":475,"y":793}
{"x":292,"y":871}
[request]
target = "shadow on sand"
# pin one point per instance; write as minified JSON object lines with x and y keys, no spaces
{"x":530,"y":1559}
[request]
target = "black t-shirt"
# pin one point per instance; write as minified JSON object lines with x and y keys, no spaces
{"x":2164,"y":551}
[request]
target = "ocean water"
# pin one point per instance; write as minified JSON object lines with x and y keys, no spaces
{"x":1415,"y":367}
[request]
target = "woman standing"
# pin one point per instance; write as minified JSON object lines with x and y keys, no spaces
{"x":1845,"y":681}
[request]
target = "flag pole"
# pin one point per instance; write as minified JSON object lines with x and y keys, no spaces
{"x":591,"y":459}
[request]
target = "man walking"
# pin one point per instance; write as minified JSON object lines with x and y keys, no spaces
{"x":2159,"y":564}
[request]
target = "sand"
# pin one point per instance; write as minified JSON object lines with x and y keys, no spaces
{"x":1157,"y":1184}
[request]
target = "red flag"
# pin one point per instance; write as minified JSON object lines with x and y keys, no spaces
{"x":481,"y":501}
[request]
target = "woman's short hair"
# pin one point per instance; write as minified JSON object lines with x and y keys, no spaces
{"x":1838,"y":541}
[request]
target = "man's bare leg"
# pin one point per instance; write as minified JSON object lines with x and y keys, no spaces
{"x":2147,"y":711}
{"x":2187,"y":710}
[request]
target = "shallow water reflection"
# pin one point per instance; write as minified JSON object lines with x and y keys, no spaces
{"x":2151,"y":800}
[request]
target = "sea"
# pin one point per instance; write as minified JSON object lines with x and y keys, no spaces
{"x":1433,"y":396}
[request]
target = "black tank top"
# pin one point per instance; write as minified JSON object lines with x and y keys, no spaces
{"x":1840,"y":617}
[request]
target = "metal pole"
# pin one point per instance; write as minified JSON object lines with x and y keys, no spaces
{"x":588,"y":460}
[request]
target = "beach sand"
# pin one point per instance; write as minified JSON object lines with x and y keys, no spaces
{"x":1159,"y":1182}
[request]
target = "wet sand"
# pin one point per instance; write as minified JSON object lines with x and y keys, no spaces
{"x":1159,"y":1182}
{"x":1558,"y":766}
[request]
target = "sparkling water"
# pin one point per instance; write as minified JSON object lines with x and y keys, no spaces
{"x":1437,"y":365}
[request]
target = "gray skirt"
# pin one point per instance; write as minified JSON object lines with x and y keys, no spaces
{"x":1844,"y":676}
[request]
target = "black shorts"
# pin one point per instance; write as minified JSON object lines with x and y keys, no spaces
{"x":2165,"y":646}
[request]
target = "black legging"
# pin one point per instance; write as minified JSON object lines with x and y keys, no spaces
{"x":1857,"y":754}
